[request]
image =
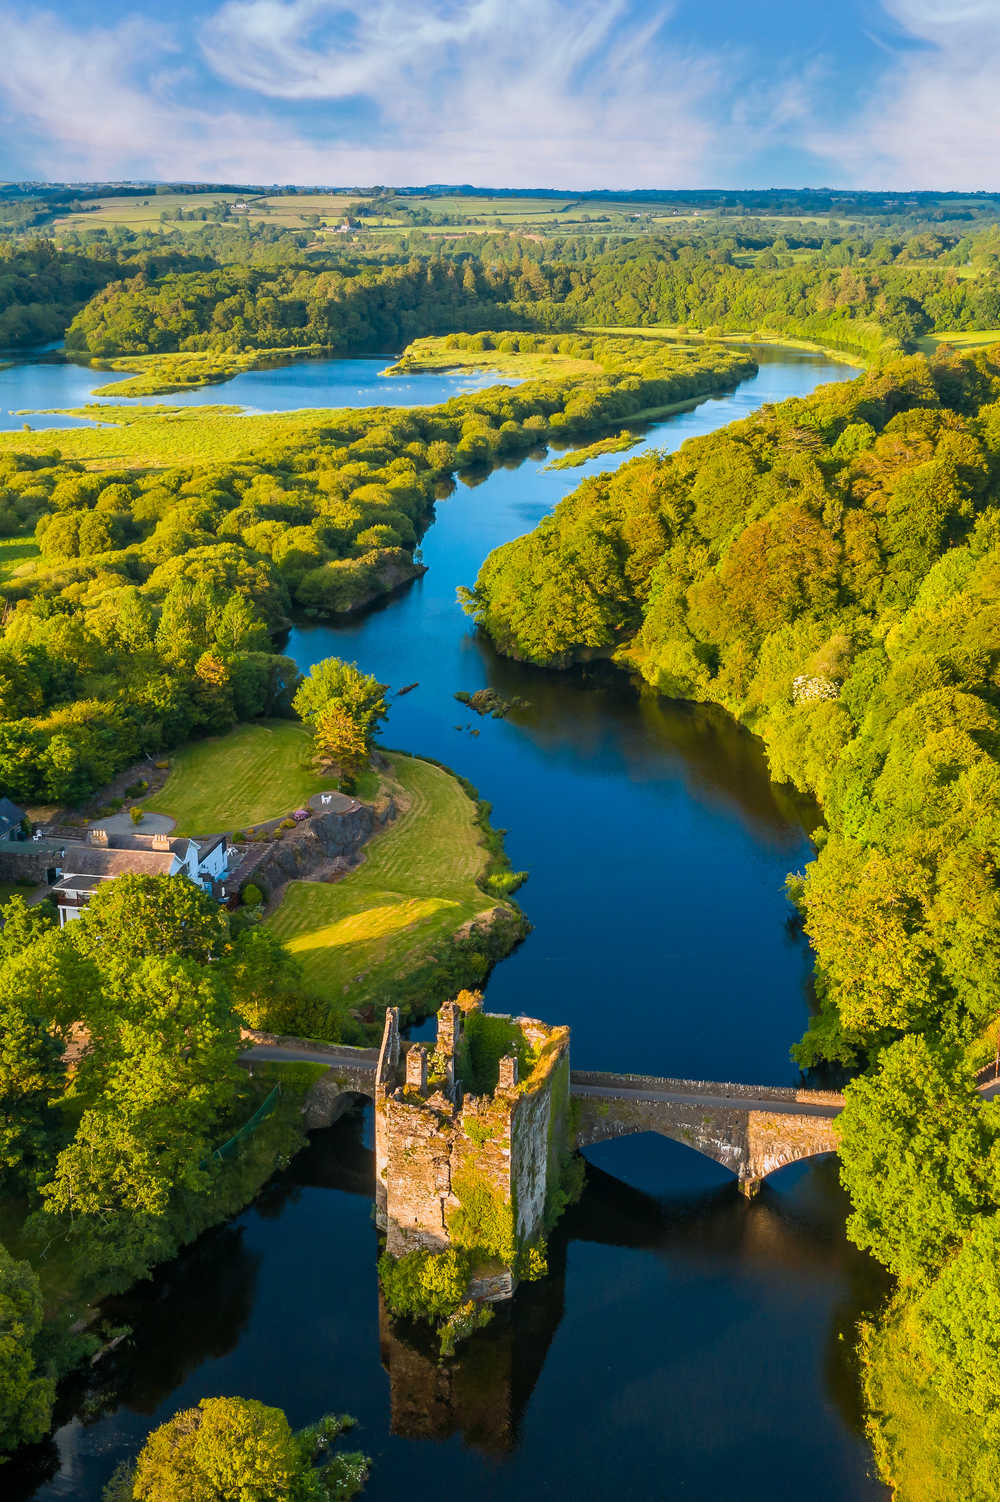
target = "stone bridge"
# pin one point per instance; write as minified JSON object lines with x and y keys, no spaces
{"x":751,"y":1130}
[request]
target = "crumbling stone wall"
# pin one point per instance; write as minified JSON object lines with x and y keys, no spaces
{"x":438,"y":1149}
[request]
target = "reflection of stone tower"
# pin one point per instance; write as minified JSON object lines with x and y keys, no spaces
{"x":482,"y":1391}
{"x":476,"y":1169}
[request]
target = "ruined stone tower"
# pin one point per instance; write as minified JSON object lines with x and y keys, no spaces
{"x":477,"y":1170}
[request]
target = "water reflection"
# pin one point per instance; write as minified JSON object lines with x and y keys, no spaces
{"x":692,"y":1263}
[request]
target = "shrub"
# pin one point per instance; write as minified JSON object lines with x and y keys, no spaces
{"x":287,"y":824}
{"x":116,"y":804}
{"x":137,"y":814}
{"x":425,"y":1285}
{"x":251,"y":895}
{"x":136,"y":789}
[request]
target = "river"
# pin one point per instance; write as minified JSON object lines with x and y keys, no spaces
{"x":686,"y":1344}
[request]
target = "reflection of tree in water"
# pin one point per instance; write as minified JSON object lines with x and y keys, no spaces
{"x":598,"y":709}
{"x":193,"y":1310}
{"x":483,"y":1390}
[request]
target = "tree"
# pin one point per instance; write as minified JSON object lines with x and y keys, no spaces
{"x":136,"y":917}
{"x":32,"y":1076}
{"x":919,"y":1155}
{"x":240,"y":1450}
{"x":26,"y":1394}
{"x":339,"y":741}
{"x":164,"y":1063}
{"x":343,"y":708}
{"x":959,"y":1318}
{"x":342,"y":684}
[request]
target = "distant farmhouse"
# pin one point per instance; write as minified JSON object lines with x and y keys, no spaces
{"x":86,"y":865}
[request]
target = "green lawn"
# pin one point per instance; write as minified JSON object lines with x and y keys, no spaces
{"x":969,"y":339}
{"x":15,"y":552}
{"x":255,"y":772}
{"x":417,"y":885}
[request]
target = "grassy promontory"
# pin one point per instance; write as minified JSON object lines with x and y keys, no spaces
{"x":422,"y":916}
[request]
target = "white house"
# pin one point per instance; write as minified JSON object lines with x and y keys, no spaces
{"x":103,"y":856}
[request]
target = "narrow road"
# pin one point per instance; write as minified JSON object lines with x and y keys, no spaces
{"x":274,"y":1053}
{"x":725,"y":1102}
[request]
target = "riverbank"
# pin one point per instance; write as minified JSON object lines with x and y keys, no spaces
{"x":74,"y":1285}
{"x":158,"y":375}
{"x":845,"y":355}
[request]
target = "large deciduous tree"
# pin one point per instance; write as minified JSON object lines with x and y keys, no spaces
{"x":343,"y":708}
{"x":919,"y":1154}
{"x":26,"y":1393}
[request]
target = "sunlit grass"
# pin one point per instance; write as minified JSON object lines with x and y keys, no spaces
{"x":415,"y":888}
{"x":228,"y":782}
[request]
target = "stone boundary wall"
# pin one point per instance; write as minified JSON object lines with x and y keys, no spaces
{"x":341,"y":1053}
{"x":638,"y":1082}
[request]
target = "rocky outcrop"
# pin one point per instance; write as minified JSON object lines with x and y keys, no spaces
{"x":321,"y":847}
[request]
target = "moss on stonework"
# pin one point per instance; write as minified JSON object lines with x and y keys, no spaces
{"x":483,"y":1221}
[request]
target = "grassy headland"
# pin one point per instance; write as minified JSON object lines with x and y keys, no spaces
{"x":379,"y":935}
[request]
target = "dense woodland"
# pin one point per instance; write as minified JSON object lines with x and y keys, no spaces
{"x":827,"y":570}
{"x":150,"y":614}
{"x":237,"y":288}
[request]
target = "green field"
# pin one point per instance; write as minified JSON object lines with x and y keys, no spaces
{"x":435,"y":352}
{"x":228,"y":782}
{"x":970,"y":339}
{"x":159,"y":436}
{"x":417,"y":885}
{"x":16,"y":554}
{"x":139,"y":213}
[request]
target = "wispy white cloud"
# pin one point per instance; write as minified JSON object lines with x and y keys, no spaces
{"x":934,"y":119}
{"x":581,"y":92}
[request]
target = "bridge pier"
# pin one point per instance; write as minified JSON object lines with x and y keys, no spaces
{"x":749,"y":1187}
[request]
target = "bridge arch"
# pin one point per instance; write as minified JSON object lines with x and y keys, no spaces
{"x":752,"y":1137}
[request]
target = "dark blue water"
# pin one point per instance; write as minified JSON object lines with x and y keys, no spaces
{"x":27,"y":388}
{"x":656,"y":845}
{"x":686,"y":1343}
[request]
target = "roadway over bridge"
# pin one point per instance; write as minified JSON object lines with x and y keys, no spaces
{"x":751,"y":1130}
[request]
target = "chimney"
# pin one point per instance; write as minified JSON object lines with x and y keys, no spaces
{"x":161,"y":842}
{"x":508,"y":1072}
{"x":416,"y":1068}
{"x":97,"y":837}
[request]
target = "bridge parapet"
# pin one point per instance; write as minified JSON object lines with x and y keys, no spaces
{"x":350,"y":1072}
{"x":751,"y":1130}
{"x":583,"y":1078}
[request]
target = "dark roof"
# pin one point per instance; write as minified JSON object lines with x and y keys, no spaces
{"x":10,"y":815}
{"x":98,"y":860}
{"x":79,"y":883}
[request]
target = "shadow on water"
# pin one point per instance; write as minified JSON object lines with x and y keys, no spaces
{"x":685,"y":1343}
{"x":724,"y":1282}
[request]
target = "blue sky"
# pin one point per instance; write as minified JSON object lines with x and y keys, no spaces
{"x":567,"y":93}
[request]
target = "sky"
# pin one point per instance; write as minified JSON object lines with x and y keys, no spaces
{"x":518,"y":93}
